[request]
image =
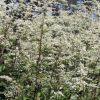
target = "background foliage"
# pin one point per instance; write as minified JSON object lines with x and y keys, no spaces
{"x":49,"y":57}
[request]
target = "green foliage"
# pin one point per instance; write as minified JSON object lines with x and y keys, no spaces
{"x":49,"y":57}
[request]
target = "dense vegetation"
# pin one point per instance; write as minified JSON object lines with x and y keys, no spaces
{"x":49,"y":57}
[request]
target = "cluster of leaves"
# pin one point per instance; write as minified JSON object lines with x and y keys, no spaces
{"x":50,"y":57}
